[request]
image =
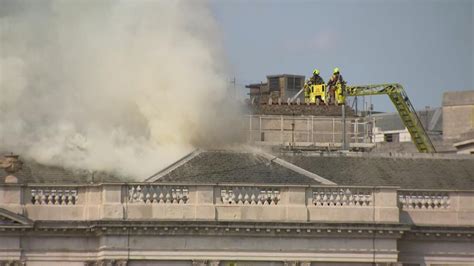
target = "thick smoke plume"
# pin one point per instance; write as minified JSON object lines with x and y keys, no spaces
{"x":124,"y":86}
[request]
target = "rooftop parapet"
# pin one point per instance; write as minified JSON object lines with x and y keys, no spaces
{"x":239,"y":203}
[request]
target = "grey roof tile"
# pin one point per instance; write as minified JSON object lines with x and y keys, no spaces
{"x":234,"y":167}
{"x":409,"y":173}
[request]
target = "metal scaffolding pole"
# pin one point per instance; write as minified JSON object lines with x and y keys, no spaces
{"x":344,"y":139}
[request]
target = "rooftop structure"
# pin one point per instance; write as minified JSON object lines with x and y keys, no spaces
{"x":458,"y":113}
{"x":431,"y":118}
{"x":282,"y":86}
{"x":465,"y":144}
{"x":448,"y":127}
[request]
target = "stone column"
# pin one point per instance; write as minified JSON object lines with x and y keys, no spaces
{"x":199,"y":263}
{"x":386,"y":204}
{"x":295,"y":200}
{"x":203,"y":200}
{"x":112,"y":207}
{"x":297,"y":263}
{"x":12,"y":263}
{"x":121,"y":263}
{"x":106,"y":263}
{"x":463,"y":203}
{"x":11,"y":198}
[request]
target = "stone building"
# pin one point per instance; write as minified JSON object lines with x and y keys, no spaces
{"x":458,"y":113}
{"x":449,"y":127}
{"x":282,"y":86}
{"x":245,"y":207}
{"x":388,"y":127}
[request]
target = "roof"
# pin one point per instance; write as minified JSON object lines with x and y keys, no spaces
{"x":285,"y":75}
{"x":255,"y":85}
{"x":231,"y":167}
{"x":431,"y":119}
{"x":33,"y":172}
{"x":11,"y":219}
{"x":257,"y":167}
{"x":407,"y":172}
{"x":468,"y":135}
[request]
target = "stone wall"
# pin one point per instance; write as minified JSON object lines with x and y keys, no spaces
{"x":299,"y":109}
{"x":222,"y":224}
{"x":458,"y":113}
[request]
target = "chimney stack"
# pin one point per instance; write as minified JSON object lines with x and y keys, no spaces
{"x":11,"y":164}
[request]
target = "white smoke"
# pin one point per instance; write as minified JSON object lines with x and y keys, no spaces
{"x":124,"y":86}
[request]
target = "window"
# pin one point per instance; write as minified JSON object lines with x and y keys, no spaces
{"x":294,"y":83}
{"x":274,"y":84}
{"x":290,"y":83}
{"x":393,"y":137}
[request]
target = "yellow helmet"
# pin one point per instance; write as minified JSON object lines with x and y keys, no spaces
{"x":336,"y":70}
{"x":316,"y":72}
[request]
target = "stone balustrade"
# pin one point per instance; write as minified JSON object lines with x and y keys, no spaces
{"x":53,"y":196}
{"x":431,"y":200}
{"x":232,"y":202}
{"x":156,"y":194}
{"x":250,"y":196}
{"x":425,"y":207}
{"x":342,"y":196}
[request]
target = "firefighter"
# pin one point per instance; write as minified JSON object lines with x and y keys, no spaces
{"x":335,"y":79}
{"x":316,"y":79}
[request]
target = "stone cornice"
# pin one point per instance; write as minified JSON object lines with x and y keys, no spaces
{"x":440,"y":233}
{"x":359,"y":230}
{"x":205,"y":228}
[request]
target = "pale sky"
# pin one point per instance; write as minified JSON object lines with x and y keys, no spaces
{"x":427,"y":46}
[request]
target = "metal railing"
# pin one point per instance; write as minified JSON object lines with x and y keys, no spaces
{"x":308,"y":130}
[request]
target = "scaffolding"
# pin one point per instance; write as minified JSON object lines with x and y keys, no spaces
{"x":312,"y":132}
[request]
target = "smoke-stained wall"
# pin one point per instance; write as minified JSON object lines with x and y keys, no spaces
{"x":125,"y":86}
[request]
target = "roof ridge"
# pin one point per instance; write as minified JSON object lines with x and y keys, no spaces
{"x":384,"y":155}
{"x":15,"y":217}
{"x":434,"y":119}
{"x":188,"y":157}
{"x":295,"y":168}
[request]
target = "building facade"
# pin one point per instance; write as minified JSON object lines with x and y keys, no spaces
{"x":245,"y":208}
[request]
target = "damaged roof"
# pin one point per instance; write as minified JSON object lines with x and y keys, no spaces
{"x":232,"y":167}
{"x":33,"y":172}
{"x":409,"y":172}
{"x":224,"y":166}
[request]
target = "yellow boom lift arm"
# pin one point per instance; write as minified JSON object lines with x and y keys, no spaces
{"x":405,"y":109}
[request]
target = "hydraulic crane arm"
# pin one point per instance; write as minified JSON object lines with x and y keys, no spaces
{"x":405,"y":109}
